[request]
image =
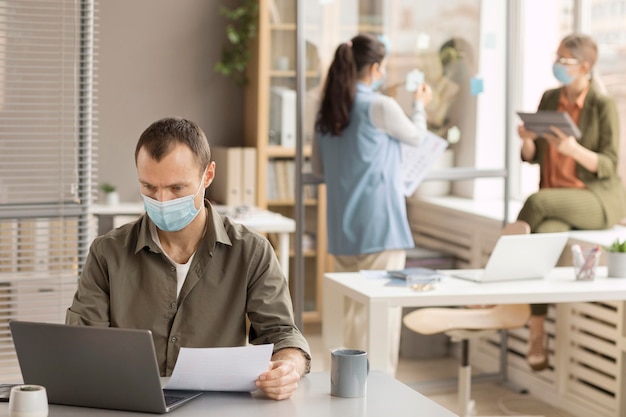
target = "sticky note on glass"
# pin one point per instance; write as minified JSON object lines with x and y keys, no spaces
{"x":414,"y":80}
{"x":476,"y":86}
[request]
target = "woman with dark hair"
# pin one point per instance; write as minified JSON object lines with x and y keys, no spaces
{"x":579,"y":184}
{"x":357,"y":151}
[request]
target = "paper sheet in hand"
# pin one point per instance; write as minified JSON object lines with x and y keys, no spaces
{"x":414,"y":80}
{"x":417,"y":160}
{"x":220,"y":369}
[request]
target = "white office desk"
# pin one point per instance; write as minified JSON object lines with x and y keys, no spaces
{"x":386,"y":396}
{"x":260,"y":220}
{"x":599,"y":237}
{"x":379,"y":300}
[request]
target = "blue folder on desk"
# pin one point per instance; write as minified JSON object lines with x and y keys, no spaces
{"x":425,"y":273}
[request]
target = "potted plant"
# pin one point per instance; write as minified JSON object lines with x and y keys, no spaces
{"x":616,"y":258}
{"x":239,"y":32}
{"x":112,"y":196}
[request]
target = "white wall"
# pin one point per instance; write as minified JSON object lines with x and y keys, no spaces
{"x":156,"y":59}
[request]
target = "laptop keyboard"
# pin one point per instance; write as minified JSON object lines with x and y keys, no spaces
{"x":172,"y":399}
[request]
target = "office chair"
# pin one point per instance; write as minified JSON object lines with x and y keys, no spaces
{"x":470,"y":323}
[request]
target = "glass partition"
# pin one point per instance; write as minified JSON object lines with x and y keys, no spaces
{"x":458,"y":44}
{"x":607,"y":21}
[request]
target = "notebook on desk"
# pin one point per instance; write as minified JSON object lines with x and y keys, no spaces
{"x":516,"y":257}
{"x":99,"y":367}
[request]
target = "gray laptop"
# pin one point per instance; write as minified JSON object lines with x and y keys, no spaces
{"x":94,"y":366}
{"x":530,"y":256}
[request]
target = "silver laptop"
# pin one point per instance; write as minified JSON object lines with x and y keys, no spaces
{"x":99,"y":367}
{"x":515,"y":257}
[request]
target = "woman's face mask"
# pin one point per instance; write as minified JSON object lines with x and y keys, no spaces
{"x":561,"y":68}
{"x":382,"y":71}
{"x":376,"y":84}
{"x":561,"y":73}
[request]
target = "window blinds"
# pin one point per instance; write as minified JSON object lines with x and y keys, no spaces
{"x":46,"y":160}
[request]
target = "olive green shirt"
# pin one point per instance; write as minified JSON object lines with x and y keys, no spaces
{"x":128,"y":282}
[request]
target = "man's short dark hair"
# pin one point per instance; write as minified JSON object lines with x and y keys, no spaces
{"x":161,"y":137}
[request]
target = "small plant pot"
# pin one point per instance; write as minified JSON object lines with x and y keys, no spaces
{"x":112,"y":198}
{"x":616,"y":264}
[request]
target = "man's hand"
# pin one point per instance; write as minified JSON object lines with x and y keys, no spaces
{"x":281,"y":379}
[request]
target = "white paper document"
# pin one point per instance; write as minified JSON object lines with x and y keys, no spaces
{"x":417,"y":160}
{"x":220,"y":369}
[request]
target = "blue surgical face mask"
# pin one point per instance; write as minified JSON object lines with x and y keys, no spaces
{"x":560,"y":73}
{"x":376,"y":84}
{"x":173,"y":215}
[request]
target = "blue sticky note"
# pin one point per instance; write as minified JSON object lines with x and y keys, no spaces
{"x":476,"y":86}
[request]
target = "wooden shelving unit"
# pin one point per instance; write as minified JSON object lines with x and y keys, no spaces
{"x":276,"y":42}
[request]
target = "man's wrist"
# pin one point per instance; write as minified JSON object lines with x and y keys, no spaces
{"x":299,"y":357}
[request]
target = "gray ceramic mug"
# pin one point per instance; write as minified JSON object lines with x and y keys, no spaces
{"x":348,"y":373}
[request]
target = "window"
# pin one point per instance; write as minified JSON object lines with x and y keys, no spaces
{"x":46,"y":159}
{"x":605,"y":20}
{"x":534,"y":75}
{"x":609,"y":31}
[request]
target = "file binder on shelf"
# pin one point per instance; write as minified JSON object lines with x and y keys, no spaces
{"x":235,"y":176}
{"x":249,"y":177}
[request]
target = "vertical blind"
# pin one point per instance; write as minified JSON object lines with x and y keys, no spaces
{"x":46,"y":160}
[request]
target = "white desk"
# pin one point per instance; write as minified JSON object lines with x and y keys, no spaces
{"x":379,"y":300}
{"x":600,"y":237}
{"x":386,"y":396}
{"x":260,"y":220}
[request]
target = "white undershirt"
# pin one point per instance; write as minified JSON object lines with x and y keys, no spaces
{"x":181,"y":269}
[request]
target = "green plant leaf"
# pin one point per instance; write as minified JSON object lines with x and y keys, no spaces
{"x":107,"y":188}
{"x":232,"y":34}
{"x":239,"y":32}
{"x":617,"y":246}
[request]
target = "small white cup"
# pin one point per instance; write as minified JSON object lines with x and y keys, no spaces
{"x":28,"y":401}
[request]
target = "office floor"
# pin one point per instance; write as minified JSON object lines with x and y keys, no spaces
{"x":491,"y":398}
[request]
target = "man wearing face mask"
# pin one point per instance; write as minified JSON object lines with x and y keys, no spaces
{"x":356,"y":150}
{"x":186,"y":273}
{"x":579,"y":184}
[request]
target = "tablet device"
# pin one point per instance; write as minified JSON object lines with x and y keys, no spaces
{"x":541,"y":121}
